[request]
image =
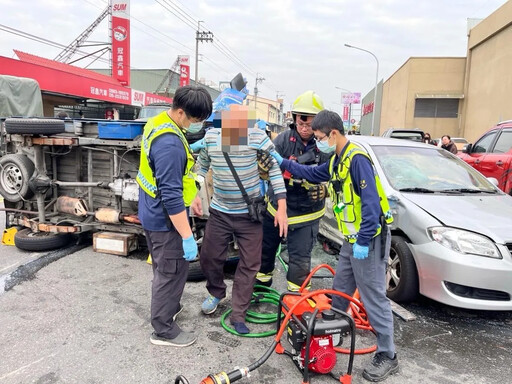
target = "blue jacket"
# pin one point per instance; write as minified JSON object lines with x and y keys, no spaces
{"x":168,"y":159}
{"x":360,"y":169}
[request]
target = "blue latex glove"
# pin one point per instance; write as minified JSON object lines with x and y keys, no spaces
{"x":198,"y":145}
{"x":277,"y":156}
{"x":360,"y":251}
{"x":190,"y":248}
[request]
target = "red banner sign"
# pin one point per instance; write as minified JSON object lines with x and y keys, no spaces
{"x":184,"y":70}
{"x":367,"y":108}
{"x":345,"y":112}
{"x":121,"y":41}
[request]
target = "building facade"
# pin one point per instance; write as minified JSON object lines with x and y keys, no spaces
{"x":266,"y":109}
{"x":488,"y":76}
{"x":424,"y":93}
{"x":368,"y":125}
{"x":458,"y":96}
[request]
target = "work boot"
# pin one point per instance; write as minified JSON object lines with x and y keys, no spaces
{"x":184,"y":339}
{"x":210,"y":305}
{"x":380,"y":367}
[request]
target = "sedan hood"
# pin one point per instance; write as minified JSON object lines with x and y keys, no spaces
{"x":490,"y":215}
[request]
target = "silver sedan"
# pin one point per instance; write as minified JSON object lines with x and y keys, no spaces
{"x":452,"y":233}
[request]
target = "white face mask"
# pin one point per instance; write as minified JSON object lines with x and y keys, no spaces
{"x":195,"y":127}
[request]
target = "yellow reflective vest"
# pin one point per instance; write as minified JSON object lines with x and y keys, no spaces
{"x":156,"y":126}
{"x":346,"y":203}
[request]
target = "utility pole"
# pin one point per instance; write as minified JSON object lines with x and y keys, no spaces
{"x":200,"y":37}
{"x":258,"y":80}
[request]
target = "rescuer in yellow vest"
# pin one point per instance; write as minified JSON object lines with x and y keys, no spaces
{"x":362,"y":212}
{"x":167,"y":189}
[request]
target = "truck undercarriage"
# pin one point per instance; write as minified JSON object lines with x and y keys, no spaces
{"x":61,"y":178}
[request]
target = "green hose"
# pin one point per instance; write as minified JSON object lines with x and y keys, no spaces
{"x":272,"y":297}
{"x":264,"y":295}
{"x":283,"y":263}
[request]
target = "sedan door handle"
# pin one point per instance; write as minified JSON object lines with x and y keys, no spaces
{"x":477,"y":161}
{"x":499,"y":162}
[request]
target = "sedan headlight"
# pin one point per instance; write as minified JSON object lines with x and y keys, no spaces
{"x":464,"y":242}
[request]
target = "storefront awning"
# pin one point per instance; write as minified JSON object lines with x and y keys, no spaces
{"x":68,"y":80}
{"x":451,"y":95}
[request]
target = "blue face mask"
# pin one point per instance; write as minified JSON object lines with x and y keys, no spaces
{"x":323,"y":146}
{"x":195,"y":127}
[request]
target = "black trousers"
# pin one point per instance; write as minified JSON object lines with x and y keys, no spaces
{"x":170,"y":272}
{"x":300,"y":240}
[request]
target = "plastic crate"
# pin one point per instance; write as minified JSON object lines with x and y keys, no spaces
{"x":119,"y":130}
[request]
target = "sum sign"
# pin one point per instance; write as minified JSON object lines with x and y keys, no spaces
{"x":119,"y":7}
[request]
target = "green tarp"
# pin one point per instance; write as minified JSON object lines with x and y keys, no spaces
{"x":20,"y":96}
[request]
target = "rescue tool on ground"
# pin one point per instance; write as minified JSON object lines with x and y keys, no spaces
{"x":314,"y":330}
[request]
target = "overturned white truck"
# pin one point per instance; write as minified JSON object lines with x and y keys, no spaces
{"x":65,"y":178}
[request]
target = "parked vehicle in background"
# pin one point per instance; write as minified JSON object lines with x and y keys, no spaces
{"x":491,"y":155}
{"x":152,"y":110}
{"x":406,"y":134}
{"x":451,"y":237}
{"x":459,"y":142}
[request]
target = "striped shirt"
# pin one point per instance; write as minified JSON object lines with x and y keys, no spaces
{"x":226,"y":194}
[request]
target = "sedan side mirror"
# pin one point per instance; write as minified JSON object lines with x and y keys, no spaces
{"x":467,"y":148}
{"x":493,"y":181}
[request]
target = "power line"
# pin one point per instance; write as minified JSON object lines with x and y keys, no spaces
{"x":171,"y":10}
{"x":43,"y":40}
{"x":163,"y":34}
{"x":178,"y":10}
{"x":223,"y":48}
{"x":181,"y":12}
{"x":62,"y":46}
{"x":228,"y":55}
{"x":215,"y":65}
{"x":234,"y":55}
{"x":188,"y":9}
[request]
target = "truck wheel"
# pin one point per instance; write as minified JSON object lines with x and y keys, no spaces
{"x":40,"y":241}
{"x":34,"y":126}
{"x":195,"y":273}
{"x":401,"y":276}
{"x":15,"y":172}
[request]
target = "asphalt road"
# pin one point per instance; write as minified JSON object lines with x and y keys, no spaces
{"x":83,"y":317}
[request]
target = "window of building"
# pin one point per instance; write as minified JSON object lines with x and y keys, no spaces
{"x":436,"y":108}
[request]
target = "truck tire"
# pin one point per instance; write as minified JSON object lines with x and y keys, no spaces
{"x":40,"y":241}
{"x":34,"y":126}
{"x":15,"y":172}
{"x":402,"y":275}
{"x":195,"y":273}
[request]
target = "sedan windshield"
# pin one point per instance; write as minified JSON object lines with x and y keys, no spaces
{"x":429,"y":170}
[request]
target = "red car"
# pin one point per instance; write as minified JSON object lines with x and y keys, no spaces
{"x":491,"y":155}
